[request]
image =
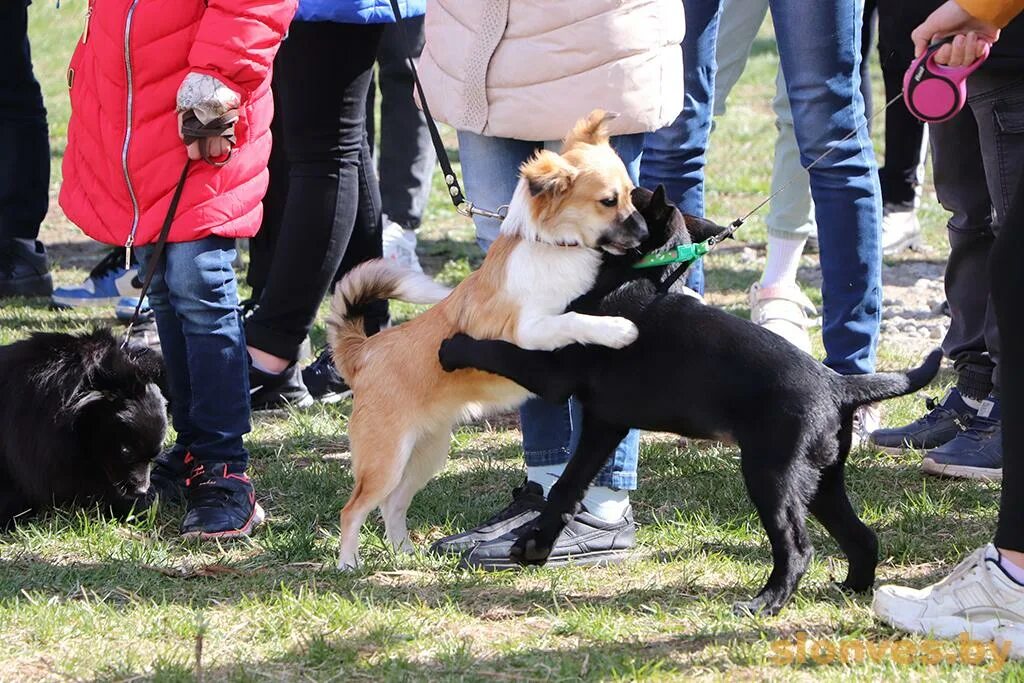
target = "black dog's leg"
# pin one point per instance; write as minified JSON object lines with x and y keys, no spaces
{"x":779,"y":498}
{"x":597,"y":443}
{"x":543,"y":373}
{"x":12,"y":505}
{"x":831,"y":506}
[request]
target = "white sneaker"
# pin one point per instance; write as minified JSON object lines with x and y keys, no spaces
{"x":1010,"y":639}
{"x":977,"y":598}
{"x":400,"y":245}
{"x":866,"y":419}
{"x":900,"y":230}
{"x":784,"y":310}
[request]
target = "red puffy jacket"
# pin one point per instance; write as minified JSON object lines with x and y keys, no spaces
{"x":124,"y":156}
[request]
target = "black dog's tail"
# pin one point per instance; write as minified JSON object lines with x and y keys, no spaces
{"x":856,"y":390}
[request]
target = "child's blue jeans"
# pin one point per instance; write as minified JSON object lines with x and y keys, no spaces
{"x":195,"y":299}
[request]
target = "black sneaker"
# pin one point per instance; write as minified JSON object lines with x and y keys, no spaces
{"x":943,"y":421}
{"x":168,"y":474}
{"x":24,"y":271}
{"x":527,"y":502}
{"x":323,"y":381}
{"x":221,"y":503}
{"x":268,"y":391}
{"x":585,"y":541}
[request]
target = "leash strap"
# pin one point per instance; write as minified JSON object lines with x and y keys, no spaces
{"x":459,"y":201}
{"x":192,"y":130}
{"x":158,"y":251}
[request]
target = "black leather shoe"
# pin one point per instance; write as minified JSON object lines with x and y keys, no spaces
{"x":527,"y":502}
{"x":268,"y":391}
{"x":585,"y":541}
{"x":24,"y":271}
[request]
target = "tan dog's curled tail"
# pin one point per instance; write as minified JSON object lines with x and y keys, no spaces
{"x":364,"y":284}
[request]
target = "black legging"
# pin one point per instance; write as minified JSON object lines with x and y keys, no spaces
{"x":322,"y":73}
{"x":1007,"y":293}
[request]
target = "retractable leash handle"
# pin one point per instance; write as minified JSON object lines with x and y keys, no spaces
{"x":936,"y":93}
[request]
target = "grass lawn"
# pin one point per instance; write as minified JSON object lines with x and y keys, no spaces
{"x":85,"y":598}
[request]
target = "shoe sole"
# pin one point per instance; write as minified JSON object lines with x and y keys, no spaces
{"x":43,"y":286}
{"x":599,"y":558}
{"x":257,"y":518}
{"x":335,"y":397}
{"x":941,"y":627}
{"x":914,"y":243}
{"x":929,"y":466}
{"x":92,"y":302}
{"x":306,"y":402}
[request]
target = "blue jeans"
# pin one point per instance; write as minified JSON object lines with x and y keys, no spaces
{"x":819,"y":49}
{"x":490,"y":173}
{"x":195,"y":300}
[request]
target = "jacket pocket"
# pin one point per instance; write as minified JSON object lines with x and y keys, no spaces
{"x":1009,"y":134}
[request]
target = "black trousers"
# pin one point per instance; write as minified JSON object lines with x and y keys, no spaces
{"x":407,"y":156}
{"x":978,"y":160}
{"x":1007,"y":293}
{"x":330,"y":216}
{"x":904,"y":134}
{"x":24,"y":141}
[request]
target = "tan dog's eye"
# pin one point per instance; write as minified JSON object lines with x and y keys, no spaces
{"x":610,"y":201}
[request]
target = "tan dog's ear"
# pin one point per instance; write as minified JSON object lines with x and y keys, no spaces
{"x":593,"y":130}
{"x":548,"y":172}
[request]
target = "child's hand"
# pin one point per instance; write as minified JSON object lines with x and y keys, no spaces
{"x":216,"y":148}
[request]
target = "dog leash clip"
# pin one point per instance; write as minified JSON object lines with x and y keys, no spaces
{"x":468,"y":209}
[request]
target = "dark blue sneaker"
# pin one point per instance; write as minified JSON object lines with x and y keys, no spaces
{"x":323,"y":380}
{"x":976,"y":453}
{"x":221,"y":503}
{"x":943,"y":421}
{"x":168,"y":474}
{"x":24,"y":269}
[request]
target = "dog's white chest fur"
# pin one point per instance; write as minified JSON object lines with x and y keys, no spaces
{"x":545,"y":278}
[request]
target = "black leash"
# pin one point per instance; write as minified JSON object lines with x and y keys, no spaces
{"x":192,"y":130}
{"x":462,"y":205}
{"x":158,"y":252}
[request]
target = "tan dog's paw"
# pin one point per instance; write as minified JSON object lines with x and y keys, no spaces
{"x":616,"y":333}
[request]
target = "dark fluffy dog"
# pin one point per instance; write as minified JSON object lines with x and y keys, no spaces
{"x":80,"y":421}
{"x":790,"y":415}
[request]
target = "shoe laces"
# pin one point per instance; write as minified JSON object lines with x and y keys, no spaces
{"x":114,"y":260}
{"x":961,"y":572}
{"x":324,"y":363}
{"x":210,"y":488}
{"x":519,"y":504}
{"x":937,"y":412}
{"x":980,"y":428}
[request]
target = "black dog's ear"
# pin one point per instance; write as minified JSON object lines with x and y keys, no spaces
{"x":701,"y":229}
{"x":658,"y":200}
{"x":145,"y":365}
{"x":641,"y":198}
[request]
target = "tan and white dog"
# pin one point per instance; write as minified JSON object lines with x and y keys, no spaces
{"x":567,"y":208}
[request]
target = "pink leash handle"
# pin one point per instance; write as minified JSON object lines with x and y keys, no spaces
{"x":936,"y":93}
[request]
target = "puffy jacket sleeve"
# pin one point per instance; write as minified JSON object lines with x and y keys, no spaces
{"x":996,"y":12}
{"x":237,"y":41}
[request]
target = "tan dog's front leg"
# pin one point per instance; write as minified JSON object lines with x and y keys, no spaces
{"x":547,"y":333}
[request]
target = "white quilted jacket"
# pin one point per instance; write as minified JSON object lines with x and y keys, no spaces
{"x":528,"y":69}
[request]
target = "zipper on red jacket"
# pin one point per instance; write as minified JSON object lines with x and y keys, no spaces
{"x":128,"y":135}
{"x":88,"y":18}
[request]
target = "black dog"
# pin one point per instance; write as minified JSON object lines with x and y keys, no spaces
{"x":80,"y":421}
{"x":790,"y":415}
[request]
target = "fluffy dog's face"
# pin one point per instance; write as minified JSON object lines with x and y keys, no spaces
{"x":122,"y":420}
{"x":583,"y":195}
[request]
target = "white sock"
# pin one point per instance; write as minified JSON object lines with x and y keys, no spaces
{"x":545,"y":475}
{"x":971,"y":402}
{"x":608,"y":505}
{"x":256,"y":364}
{"x":1012,"y":569}
{"x":410,"y":236}
{"x":783,"y":260}
{"x":604,"y":503}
